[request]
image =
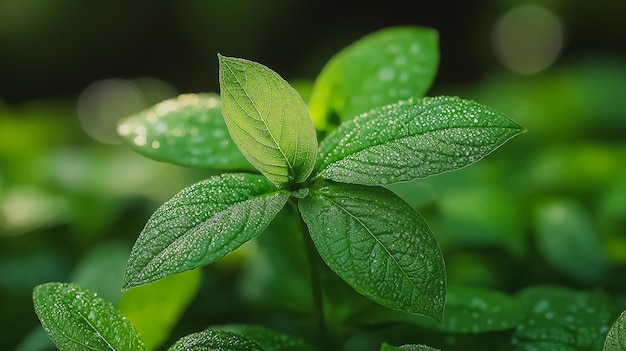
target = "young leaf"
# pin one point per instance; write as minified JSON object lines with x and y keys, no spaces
{"x":76,"y":319}
{"x":616,"y":339}
{"x":412,"y":139}
{"x":268,"y":121}
{"x":381,"y":68}
{"x":408,"y":347}
{"x":563,"y":319}
{"x":155,"y":308}
{"x":379,"y":245}
{"x":201,"y":224}
{"x":269,"y":339}
{"x":188,"y":130}
{"x":213,"y":340}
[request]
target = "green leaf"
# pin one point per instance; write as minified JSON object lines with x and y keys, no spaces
{"x":381,"y":68}
{"x":268,"y":121}
{"x":412,"y":139}
{"x":269,"y":339}
{"x":76,"y":319}
{"x":188,"y":130}
{"x":379,"y":245}
{"x":616,"y":339}
{"x":214,"y":340}
{"x":563,"y":319}
{"x":409,"y":347}
{"x":155,"y":308}
{"x":566,"y":237}
{"x":201,"y":224}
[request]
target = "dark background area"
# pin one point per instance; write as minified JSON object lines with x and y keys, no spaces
{"x":56,"y":48}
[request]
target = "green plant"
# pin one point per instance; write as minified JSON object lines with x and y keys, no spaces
{"x":362,"y":231}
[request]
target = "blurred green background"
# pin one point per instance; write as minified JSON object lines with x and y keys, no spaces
{"x":549,"y":207}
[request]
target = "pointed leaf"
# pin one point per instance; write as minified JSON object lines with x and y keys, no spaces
{"x":381,"y":68}
{"x":188,"y":130}
{"x":155,"y":308}
{"x":408,"y":347}
{"x":616,"y":339}
{"x":379,"y":245}
{"x":76,"y":319}
{"x":201,"y":224}
{"x":412,"y":139}
{"x":214,"y":340}
{"x":269,"y":339}
{"x":268,"y":120}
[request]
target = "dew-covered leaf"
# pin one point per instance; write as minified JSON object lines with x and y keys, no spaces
{"x":381,"y":68}
{"x":562,"y":319}
{"x":407,"y":347}
{"x":215,"y":340}
{"x":188,"y":130}
{"x":155,"y":308}
{"x":566,"y":237}
{"x":201,"y":224}
{"x":268,"y":120}
{"x":412,"y":139}
{"x":379,"y":245}
{"x":76,"y":319}
{"x":269,"y":339}
{"x":616,"y":338}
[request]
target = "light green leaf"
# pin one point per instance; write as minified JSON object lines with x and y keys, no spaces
{"x":379,"y":245}
{"x":155,"y":308}
{"x":188,"y":130}
{"x":201,"y":224}
{"x":412,"y":139}
{"x":268,"y":121}
{"x":381,"y":68}
{"x":269,"y":339}
{"x":214,"y":340}
{"x":409,"y":347}
{"x":76,"y":319}
{"x":562,"y":319}
{"x":616,"y":339}
{"x":567,"y":239}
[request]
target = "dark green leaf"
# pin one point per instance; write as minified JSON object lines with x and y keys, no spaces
{"x":269,"y":339}
{"x":409,"y":347}
{"x":616,"y":339}
{"x":412,"y":139}
{"x":201,"y":224}
{"x":76,"y":319}
{"x":563,"y":319}
{"x":379,"y":245}
{"x":215,"y":340}
{"x":155,"y":308}
{"x":384,"y":67}
{"x":268,"y":120}
{"x":188,"y":130}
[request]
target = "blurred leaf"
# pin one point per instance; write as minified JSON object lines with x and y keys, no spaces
{"x":214,"y":340}
{"x":389,"y":65}
{"x":412,"y":139}
{"x":76,"y":319}
{"x":269,"y":339}
{"x":23,"y":270}
{"x":566,"y":237}
{"x":37,"y":340}
{"x":387,"y":347}
{"x":154,"y":309}
{"x":563,"y":319}
{"x":616,"y":338}
{"x":268,"y":121}
{"x":379,"y":245}
{"x":201,"y":224}
{"x":188,"y":130}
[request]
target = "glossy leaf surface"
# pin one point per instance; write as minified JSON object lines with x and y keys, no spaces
{"x":379,"y":245}
{"x":381,"y":68}
{"x":412,"y":139}
{"x":76,"y":319}
{"x":269,"y":339}
{"x":214,"y":340}
{"x":201,"y":224}
{"x":408,"y":347}
{"x":188,"y":130}
{"x":616,"y":339}
{"x":268,"y":120}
